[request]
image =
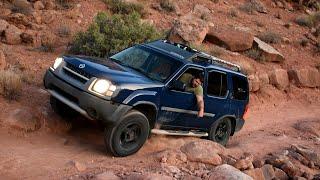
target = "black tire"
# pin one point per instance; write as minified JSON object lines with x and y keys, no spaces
{"x":61,"y":109}
{"x":128,"y":136}
{"x":220,"y":131}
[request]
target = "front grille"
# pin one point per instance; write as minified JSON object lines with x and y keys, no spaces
{"x":76,"y":73}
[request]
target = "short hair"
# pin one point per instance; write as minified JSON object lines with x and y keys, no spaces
{"x":199,"y":76}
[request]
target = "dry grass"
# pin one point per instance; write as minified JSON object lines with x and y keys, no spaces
{"x":311,"y":20}
{"x":167,"y":5}
{"x":64,"y":31}
{"x":254,"y":54}
{"x":10,"y":84}
{"x":270,"y":37}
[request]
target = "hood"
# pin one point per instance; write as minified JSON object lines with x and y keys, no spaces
{"x":107,"y":69}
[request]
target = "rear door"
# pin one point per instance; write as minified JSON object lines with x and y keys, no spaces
{"x":239,"y":96}
{"x":216,"y":100}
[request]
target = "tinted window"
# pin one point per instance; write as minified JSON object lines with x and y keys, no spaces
{"x":152,"y":64}
{"x":217,"y":84}
{"x":240,"y":88}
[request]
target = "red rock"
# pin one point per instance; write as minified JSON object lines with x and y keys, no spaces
{"x":147,"y":176}
{"x":279,"y":174}
{"x":254,"y":83}
{"x":38,"y":5}
{"x":233,"y":40}
{"x":204,"y":151}
{"x":107,"y":176}
{"x":256,"y":174}
{"x":279,"y":78}
{"x":3,"y":25}
{"x":268,"y":171}
{"x":12,"y":35}
{"x":268,"y":53}
{"x":243,"y":164}
{"x":189,"y":29}
{"x":306,"y":77}
{"x":228,"y":172}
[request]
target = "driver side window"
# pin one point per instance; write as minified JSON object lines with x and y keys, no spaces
{"x":190,"y":80}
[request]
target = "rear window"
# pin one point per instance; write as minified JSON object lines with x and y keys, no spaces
{"x":240,"y":88}
{"x":217,"y":84}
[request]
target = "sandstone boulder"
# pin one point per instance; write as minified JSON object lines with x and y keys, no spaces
{"x":189,"y":29}
{"x":291,"y":170}
{"x":147,"y":176}
{"x":279,"y":174}
{"x":268,"y":171}
{"x":256,"y":174}
{"x":22,"y":6}
{"x":279,"y":78}
{"x":3,"y":26}
{"x":243,"y":164}
{"x":226,"y":171}
{"x":254,"y":83}
{"x":204,"y":151}
{"x":12,"y":35}
{"x":306,"y":77}
{"x":246,"y":67}
{"x":231,"y":39}
{"x":268,"y":53}
{"x":171,"y":157}
{"x":3,"y":63}
{"x":107,"y":176}
{"x":31,"y":37}
{"x":264,"y":79}
{"x":22,"y":119}
{"x":38,"y":5}
{"x":308,"y":154}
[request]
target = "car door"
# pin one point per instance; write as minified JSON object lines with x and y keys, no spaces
{"x":177,"y":106}
{"x":215,"y":99}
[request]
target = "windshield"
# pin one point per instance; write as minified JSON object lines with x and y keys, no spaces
{"x":151,"y":64}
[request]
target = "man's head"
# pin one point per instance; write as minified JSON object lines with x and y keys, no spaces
{"x":197,"y":80}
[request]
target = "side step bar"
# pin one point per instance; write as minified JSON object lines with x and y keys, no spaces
{"x":179,"y":133}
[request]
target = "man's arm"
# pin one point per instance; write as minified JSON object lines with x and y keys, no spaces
{"x":200,"y":104}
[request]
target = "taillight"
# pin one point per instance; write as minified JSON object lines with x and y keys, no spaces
{"x":246,"y":112}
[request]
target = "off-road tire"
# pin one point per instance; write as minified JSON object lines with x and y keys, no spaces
{"x":221,"y":126}
{"x":115,"y":136}
{"x":61,"y":109}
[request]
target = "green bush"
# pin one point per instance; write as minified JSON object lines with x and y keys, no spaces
{"x":110,"y":34}
{"x":122,"y":7}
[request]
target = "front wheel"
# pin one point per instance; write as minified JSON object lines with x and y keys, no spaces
{"x":128,"y":136}
{"x":220,"y":131}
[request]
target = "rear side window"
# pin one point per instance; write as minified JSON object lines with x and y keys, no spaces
{"x":217,"y":84}
{"x":240,"y":88}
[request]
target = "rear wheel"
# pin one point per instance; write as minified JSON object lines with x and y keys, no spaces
{"x":62,"y":109}
{"x":128,"y":136}
{"x":220,"y":131}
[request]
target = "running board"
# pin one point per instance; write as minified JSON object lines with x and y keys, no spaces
{"x":179,"y":133}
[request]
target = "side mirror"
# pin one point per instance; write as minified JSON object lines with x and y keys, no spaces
{"x":178,"y":85}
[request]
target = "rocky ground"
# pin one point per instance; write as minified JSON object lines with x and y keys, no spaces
{"x":280,"y":139}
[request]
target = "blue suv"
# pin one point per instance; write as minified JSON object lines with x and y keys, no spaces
{"x":138,"y":91}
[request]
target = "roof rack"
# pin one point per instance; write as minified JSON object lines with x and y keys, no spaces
{"x":221,"y":62}
{"x":211,"y":59}
{"x":181,"y":46}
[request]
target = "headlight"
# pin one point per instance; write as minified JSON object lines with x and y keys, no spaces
{"x":103,"y":87}
{"x":57,"y":62}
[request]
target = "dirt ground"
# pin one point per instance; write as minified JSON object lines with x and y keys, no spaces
{"x":43,"y":155}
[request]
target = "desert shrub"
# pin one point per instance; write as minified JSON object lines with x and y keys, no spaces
{"x":66,"y":3}
{"x":303,"y":42}
{"x":308,"y":20}
{"x":10,"y":84}
{"x":167,"y":5}
{"x":248,"y":7}
{"x":254,"y":54}
{"x":110,"y":34}
{"x":233,"y":13}
{"x":21,"y":7}
{"x":122,"y":7}
{"x":64,"y":31}
{"x":270,"y":37}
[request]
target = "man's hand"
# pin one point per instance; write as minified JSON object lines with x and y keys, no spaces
{"x":200,"y":104}
{"x":200,"y":114}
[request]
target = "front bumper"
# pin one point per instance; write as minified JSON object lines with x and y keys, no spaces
{"x":89,"y":105}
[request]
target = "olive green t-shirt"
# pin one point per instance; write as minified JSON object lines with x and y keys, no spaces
{"x":186,"y":79}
